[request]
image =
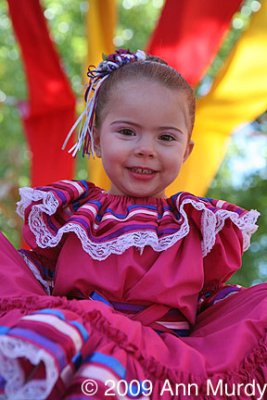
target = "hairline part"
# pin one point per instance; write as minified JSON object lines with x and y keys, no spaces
{"x":153,"y":70}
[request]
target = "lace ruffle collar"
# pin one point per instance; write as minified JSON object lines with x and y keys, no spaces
{"x":109,"y":224}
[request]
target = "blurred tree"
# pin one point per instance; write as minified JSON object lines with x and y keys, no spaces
{"x":247,"y":188}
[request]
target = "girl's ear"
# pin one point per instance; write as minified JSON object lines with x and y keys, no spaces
{"x":189,"y":149}
{"x":97,"y":147}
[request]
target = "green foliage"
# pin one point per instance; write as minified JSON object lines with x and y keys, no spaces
{"x":248,"y":190}
{"x":12,"y":88}
{"x":136,"y":21}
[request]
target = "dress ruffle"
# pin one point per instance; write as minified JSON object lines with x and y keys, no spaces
{"x":97,"y":326}
{"x":110,"y":224}
{"x":50,"y":346}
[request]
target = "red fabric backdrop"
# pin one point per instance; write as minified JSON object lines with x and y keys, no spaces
{"x":189,"y":33}
{"x":49,"y":112}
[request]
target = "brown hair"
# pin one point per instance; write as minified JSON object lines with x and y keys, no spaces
{"x":153,"y":68}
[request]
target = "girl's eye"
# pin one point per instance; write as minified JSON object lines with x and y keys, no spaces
{"x":167,"y":138}
{"x":126,"y":132}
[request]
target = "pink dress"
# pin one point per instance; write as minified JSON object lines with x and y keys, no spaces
{"x":126,"y":298}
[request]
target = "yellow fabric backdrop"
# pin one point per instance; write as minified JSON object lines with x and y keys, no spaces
{"x":238,"y":96}
{"x":101,"y":23}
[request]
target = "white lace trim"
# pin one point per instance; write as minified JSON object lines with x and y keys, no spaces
{"x":28,"y":195}
{"x":211,"y":224}
{"x":16,"y":388}
{"x":36,"y":273}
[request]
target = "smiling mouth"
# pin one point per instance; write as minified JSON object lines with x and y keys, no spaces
{"x":142,"y":171}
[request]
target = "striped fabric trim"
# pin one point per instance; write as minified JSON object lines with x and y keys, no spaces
{"x":47,"y":285}
{"x":101,"y":375}
{"x":45,"y":337}
{"x":108,"y":224}
{"x":109,"y":361}
{"x":61,"y":326}
{"x":172,"y":320}
{"x":183,"y":325}
{"x":104,"y":368}
{"x":211,"y":297}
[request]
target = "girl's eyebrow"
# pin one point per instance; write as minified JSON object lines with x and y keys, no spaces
{"x":170,"y":128}
{"x":137,"y":125}
{"x":125,"y":122}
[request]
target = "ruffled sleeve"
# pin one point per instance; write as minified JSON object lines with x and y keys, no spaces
{"x":45,"y":210}
{"x":225,"y":230}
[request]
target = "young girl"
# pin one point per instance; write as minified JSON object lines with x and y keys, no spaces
{"x":123,"y":294}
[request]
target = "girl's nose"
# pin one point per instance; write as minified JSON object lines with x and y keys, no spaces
{"x":145,"y":148}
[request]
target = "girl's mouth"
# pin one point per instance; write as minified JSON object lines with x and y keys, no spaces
{"x":142,"y":171}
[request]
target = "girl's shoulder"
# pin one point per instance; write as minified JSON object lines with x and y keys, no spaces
{"x":58,"y":194}
{"x":115,"y":223}
{"x":214,"y":216}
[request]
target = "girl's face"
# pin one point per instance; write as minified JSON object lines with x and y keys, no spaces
{"x":143,"y":138}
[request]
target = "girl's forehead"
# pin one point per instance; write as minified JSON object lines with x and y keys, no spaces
{"x":136,"y":81}
{"x":151,"y":103}
{"x":144,"y":87}
{"x":146,"y":99}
